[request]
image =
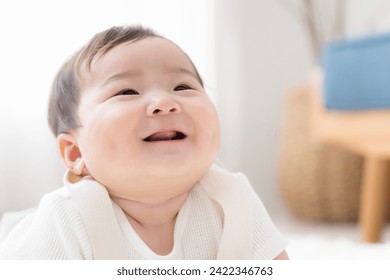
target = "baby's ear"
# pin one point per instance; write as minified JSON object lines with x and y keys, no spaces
{"x":69,"y":151}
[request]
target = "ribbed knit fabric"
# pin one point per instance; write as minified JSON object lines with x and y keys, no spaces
{"x":56,"y":231}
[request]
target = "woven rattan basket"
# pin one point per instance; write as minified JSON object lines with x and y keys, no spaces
{"x":318,"y":181}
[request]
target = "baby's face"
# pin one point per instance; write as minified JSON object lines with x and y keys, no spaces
{"x":146,"y":120}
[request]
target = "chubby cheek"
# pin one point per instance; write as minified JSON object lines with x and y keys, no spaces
{"x":208,"y":127}
{"x":106,"y":137}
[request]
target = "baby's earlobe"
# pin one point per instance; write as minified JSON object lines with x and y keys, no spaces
{"x":78,"y":166}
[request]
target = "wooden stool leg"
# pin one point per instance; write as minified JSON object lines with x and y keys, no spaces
{"x":375,"y":194}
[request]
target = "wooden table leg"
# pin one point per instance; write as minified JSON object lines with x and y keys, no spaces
{"x":374,"y":205}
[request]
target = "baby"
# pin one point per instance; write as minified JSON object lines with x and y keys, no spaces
{"x":139,"y":137}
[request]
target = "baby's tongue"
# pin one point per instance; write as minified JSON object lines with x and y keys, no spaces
{"x":161,"y":136}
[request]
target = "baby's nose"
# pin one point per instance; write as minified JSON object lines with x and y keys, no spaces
{"x":163,"y":105}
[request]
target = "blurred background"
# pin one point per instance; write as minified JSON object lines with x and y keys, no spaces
{"x":255,"y":56}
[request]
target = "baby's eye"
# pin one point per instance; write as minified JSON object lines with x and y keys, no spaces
{"x":127,"y":91}
{"x":182,"y":87}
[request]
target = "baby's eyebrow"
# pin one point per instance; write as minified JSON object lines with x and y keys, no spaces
{"x":120,"y":76}
{"x":188,"y":72}
{"x":132,"y":74}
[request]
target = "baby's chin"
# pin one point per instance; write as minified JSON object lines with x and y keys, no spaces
{"x":152,"y":194}
{"x":175,"y":167}
{"x":156,"y":184}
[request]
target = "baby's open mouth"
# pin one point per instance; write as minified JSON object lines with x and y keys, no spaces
{"x":165,"y":136}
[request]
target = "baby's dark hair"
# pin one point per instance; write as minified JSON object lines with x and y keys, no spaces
{"x":68,"y":83}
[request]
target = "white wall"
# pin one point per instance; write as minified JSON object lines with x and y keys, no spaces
{"x":36,"y":38}
{"x":262,"y":51}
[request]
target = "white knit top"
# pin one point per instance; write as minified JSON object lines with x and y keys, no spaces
{"x":57,"y":231}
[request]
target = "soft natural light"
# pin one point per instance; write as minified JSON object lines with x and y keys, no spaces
{"x":37,"y":37}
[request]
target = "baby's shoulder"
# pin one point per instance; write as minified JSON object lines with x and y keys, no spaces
{"x":54,"y":230}
{"x":57,"y":200}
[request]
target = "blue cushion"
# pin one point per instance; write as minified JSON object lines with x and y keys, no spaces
{"x":357,"y":73}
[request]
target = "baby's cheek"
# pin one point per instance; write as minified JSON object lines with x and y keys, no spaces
{"x":209,"y":118}
{"x":208,"y":123}
{"x":104,"y":131}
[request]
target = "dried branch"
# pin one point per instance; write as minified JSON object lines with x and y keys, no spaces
{"x":318,"y":22}
{"x":338,"y":29}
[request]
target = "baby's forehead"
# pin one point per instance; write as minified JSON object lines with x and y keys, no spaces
{"x":148,"y":53}
{"x":156,"y":45}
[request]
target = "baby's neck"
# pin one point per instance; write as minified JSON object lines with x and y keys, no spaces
{"x":154,"y":222}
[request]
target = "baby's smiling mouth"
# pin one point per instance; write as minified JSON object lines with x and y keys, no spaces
{"x":165,"y":136}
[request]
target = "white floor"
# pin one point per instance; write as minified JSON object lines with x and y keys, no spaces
{"x":327,"y":241}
